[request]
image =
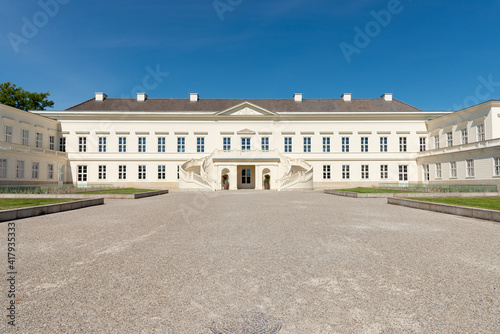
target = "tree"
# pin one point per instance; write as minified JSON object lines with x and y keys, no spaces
{"x":17,"y":97}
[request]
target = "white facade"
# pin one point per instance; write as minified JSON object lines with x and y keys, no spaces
{"x":336,"y":143}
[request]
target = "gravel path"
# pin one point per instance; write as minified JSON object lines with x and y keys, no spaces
{"x":255,"y":262}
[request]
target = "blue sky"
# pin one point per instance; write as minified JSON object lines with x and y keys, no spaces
{"x":435,"y":55}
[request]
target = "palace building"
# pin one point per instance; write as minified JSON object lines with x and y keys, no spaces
{"x":299,"y":143}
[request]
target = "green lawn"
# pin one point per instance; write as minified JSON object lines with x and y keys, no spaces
{"x":15,"y":203}
{"x":492,"y":203}
{"x":119,"y":191}
{"x":361,"y":190}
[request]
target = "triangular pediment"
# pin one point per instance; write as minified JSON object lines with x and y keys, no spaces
{"x":246,"y":132}
{"x":246,"y":109}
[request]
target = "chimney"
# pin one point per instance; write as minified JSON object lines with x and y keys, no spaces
{"x":347,"y":97}
{"x":141,"y":97}
{"x":387,"y":97}
{"x":100,"y":97}
{"x":297,"y":97}
{"x":194,"y":97}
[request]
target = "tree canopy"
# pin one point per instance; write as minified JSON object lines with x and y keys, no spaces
{"x":17,"y":97}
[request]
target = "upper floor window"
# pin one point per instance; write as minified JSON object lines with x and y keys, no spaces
{"x":326,"y":144}
{"x":62,"y":144}
{"x":464,"y":135}
{"x":383,"y":144}
{"x":245,"y":144}
{"x":436,"y":141}
{"x":345,"y":144}
{"x":102,"y":144}
{"x":307,"y":144}
{"x":39,"y":139}
{"x":200,"y":144}
{"x":122,"y":144}
{"x":8,"y":134}
{"x":449,"y":138}
{"x":265,"y":143}
{"x":402,"y":144}
{"x":181,"y":144}
{"x":288,"y":144}
{"x":226,"y":143}
{"x":82,"y":144}
{"x":161,"y":144}
{"x":480,"y":132}
{"x":25,"y":137}
{"x":423,"y":145}
{"x":364,"y":144}
{"x":142,"y":144}
{"x":52,"y":143}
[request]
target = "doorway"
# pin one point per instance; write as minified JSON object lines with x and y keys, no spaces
{"x":246,"y":177}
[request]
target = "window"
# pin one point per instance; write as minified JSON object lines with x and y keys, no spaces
{"x":3,"y":168}
{"x":142,"y":145}
{"x":122,"y":144}
{"x":226,"y":143}
{"x":365,"y":173}
{"x":200,"y":144}
{"x":245,"y":144}
{"x":403,"y":173}
{"x":426,"y":172}
{"x":496,"y":166}
{"x":82,"y":173}
{"x":288,"y":144}
{"x":384,"y":171}
{"x":178,"y":169}
{"x":326,"y":172}
{"x":436,"y":142}
{"x":307,"y":144}
{"x":52,"y":144}
{"x":464,"y":135}
{"x":102,"y":144}
{"x":142,"y":172}
{"x":62,"y":144}
{"x":82,"y":144}
{"x":50,"y":171}
{"x":20,"y":169}
{"x":35,"y":170}
{"x":122,"y":172}
{"x":265,"y":143}
{"x":470,"y":167}
{"x":102,"y":172}
{"x":39,"y":139}
{"x":438,"y":171}
{"x":25,"y":137}
{"x":480,"y":132}
{"x":453,"y":169}
{"x":161,"y":144}
{"x":364,"y":144}
{"x":61,"y":173}
{"x":161,"y":172}
{"x":383,"y":144}
{"x":345,"y":172}
{"x":402,"y":144}
{"x":181,"y":144}
{"x":345,"y":144}
{"x":8,"y":134}
{"x":423,"y":146}
{"x":326,"y":144}
{"x":449,"y":138}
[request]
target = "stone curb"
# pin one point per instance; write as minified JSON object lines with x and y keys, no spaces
{"x":409,"y":195}
{"x":7,"y":215}
{"x":72,"y":196}
{"x":470,"y":212}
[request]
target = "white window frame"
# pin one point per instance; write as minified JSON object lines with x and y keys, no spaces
{"x":39,"y":140}
{"x":141,"y":172}
{"x":35,"y":170}
{"x":82,"y":144}
{"x":25,"y":139}
{"x":453,"y":169}
{"x":365,"y":172}
{"x":141,"y":147}
{"x":307,"y":144}
{"x":384,"y":172}
{"x":264,"y":141}
{"x":161,"y":144}
{"x":403,"y":173}
{"x":449,"y":138}
{"x":439,"y":172}
{"x":52,"y":142}
{"x":122,"y":144}
{"x":436,"y":142}
{"x":200,"y":144}
{"x":464,"y":136}
{"x":346,"y":172}
{"x":246,"y":143}
{"x":102,"y":172}
{"x":326,"y":144}
{"x":20,"y":169}
{"x":122,"y":172}
{"x":427,"y":175}
{"x":327,"y":175}
{"x":62,"y":144}
{"x":8,"y":134}
{"x":345,"y":144}
{"x":3,"y":168}
{"x":102,"y":144}
{"x":383,"y":144}
{"x":50,"y":171}
{"x":480,"y":132}
{"x":469,"y":164}
{"x":423,"y":144}
{"x":82,"y":175}
{"x":403,"y":147}
{"x":364,"y":144}
{"x":162,"y":172}
{"x":226,"y":144}
{"x":181,"y":144}
{"x":288,"y":145}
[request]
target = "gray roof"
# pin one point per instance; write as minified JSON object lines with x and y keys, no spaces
{"x":216,"y":105}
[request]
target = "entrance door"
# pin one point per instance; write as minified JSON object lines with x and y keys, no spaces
{"x":246,"y":177}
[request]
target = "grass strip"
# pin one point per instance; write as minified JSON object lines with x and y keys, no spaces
{"x":118,"y":191}
{"x":16,"y":203}
{"x":361,"y":190}
{"x":491,"y":203}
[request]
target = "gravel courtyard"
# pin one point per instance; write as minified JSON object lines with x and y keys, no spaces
{"x":255,"y":262}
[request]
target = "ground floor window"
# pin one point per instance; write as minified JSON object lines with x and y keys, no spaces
{"x":82,"y":173}
{"x":122,"y":172}
{"x":35,"y":170}
{"x":497,"y":166}
{"x":161,"y":172}
{"x":61,"y":173}
{"x":470,"y":167}
{"x":20,"y":169}
{"x":3,"y":167}
{"x":438,"y":171}
{"x":384,"y":171}
{"x":50,"y":171}
{"x":102,"y":172}
{"x":403,"y":173}
{"x":326,"y":172}
{"x":453,"y":169}
{"x":178,"y":170}
{"x":346,"y":172}
{"x":365,"y":173}
{"x":142,"y":172}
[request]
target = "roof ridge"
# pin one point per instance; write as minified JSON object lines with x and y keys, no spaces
{"x":76,"y":105}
